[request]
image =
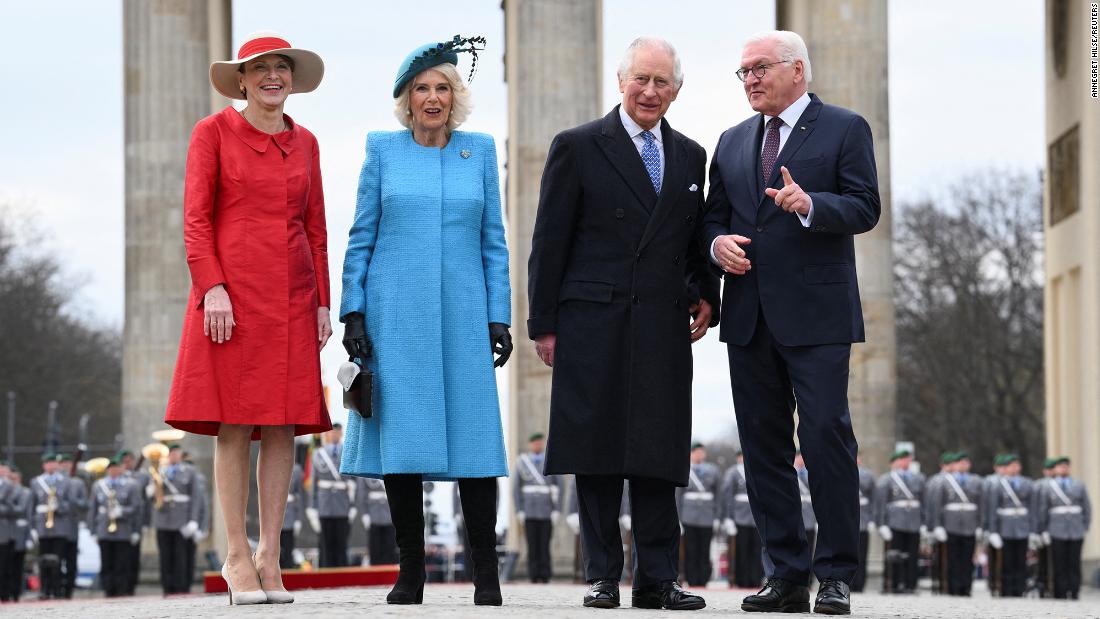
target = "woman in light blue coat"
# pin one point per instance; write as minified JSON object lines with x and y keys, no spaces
{"x":426,"y":304}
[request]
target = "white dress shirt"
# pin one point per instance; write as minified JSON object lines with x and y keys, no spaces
{"x":789,"y":117}
{"x":635,"y":132}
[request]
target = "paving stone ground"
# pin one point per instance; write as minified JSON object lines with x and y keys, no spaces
{"x":554,"y":601}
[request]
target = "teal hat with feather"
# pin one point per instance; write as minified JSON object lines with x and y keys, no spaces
{"x":433,"y":54}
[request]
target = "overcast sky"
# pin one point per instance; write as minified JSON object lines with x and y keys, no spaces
{"x":965,"y":94}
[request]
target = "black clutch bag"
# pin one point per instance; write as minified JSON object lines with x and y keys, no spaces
{"x":359,"y":397}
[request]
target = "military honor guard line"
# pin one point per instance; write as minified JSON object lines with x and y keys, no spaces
{"x":641,"y":245}
{"x":1021,"y":536}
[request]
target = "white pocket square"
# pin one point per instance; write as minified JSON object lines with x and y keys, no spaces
{"x":693,"y":187}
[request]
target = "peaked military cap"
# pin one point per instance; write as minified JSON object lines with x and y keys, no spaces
{"x":899,"y":454}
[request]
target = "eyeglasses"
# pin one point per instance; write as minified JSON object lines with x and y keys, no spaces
{"x":758,"y":70}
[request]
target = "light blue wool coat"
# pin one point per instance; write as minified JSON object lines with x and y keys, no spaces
{"x":427,"y":265}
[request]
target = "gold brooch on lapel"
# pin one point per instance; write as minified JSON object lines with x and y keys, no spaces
{"x":465,"y":154}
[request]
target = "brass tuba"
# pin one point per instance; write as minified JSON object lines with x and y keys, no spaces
{"x":154,"y":453}
{"x":97,"y":468}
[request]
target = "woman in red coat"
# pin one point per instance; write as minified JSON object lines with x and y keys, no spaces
{"x":249,"y":362}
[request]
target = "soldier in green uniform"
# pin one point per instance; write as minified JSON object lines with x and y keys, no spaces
{"x":898,"y":513}
{"x":112,"y":517}
{"x":1063,"y":521}
{"x":1010,"y":524}
{"x":957,"y":515}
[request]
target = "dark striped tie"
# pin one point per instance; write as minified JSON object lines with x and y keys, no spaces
{"x":771,"y":148}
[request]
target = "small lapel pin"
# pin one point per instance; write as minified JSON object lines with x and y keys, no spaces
{"x":465,"y":154}
{"x":693,"y":187}
{"x":802,"y":128}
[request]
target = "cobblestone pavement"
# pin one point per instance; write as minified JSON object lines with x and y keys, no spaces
{"x":521,"y":600}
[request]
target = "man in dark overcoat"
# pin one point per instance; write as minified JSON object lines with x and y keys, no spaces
{"x":619,"y":289}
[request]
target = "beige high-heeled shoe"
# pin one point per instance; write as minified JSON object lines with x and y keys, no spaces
{"x":275,"y":596}
{"x":242,"y":598}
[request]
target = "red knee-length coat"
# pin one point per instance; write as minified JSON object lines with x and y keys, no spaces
{"x":254,"y":220}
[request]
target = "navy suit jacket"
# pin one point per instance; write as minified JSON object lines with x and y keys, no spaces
{"x":803,"y":279}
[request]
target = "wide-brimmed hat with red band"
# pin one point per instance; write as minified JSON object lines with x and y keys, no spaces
{"x":308,"y":66}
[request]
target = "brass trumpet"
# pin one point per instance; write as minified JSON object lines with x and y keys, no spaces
{"x":51,"y":507}
{"x":112,"y":506}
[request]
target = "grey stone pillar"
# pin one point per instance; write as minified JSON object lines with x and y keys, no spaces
{"x":553,"y":56}
{"x":847,"y":40}
{"x":1071,"y":228}
{"x":168,"y":47}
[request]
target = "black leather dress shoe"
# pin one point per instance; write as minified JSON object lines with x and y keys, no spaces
{"x":833,"y":598}
{"x":602,"y":594}
{"x":778,"y":596}
{"x":666,"y":595}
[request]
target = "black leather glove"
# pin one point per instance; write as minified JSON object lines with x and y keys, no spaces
{"x":355,"y":339}
{"x":501,"y":342}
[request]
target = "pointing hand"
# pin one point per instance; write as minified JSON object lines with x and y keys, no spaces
{"x":790,"y":198}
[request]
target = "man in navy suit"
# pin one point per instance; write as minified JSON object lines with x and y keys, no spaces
{"x":789,"y":188}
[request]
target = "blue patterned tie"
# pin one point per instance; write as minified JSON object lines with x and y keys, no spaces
{"x":651,"y":157}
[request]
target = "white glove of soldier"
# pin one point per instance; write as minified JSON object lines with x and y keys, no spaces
{"x":200,"y":535}
{"x":1034,"y":541}
{"x":624,"y":520}
{"x":115,"y":512}
{"x":150,"y":491}
{"x":1045,"y":537}
{"x":521,"y":517}
{"x":366,"y":521}
{"x":352,"y":513}
{"x":501,"y":528}
{"x":730,"y":526}
{"x":871,"y":526}
{"x":135,"y":538}
{"x":716,"y":526}
{"x":996,"y":541}
{"x":188,"y":530}
{"x":29,"y":546}
{"x":940,"y":534}
{"x":923,"y":532}
{"x":978,"y":533}
{"x":574,"y":522}
{"x":885,"y":533}
{"x":314,"y":518}
{"x":297,"y":528}
{"x":555,"y":516}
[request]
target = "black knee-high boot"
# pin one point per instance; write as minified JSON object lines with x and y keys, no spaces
{"x":405,"y":494}
{"x":479,"y":507}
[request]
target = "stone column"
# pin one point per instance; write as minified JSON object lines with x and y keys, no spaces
{"x":1071,"y":222}
{"x":847,"y":44}
{"x":168,"y":47}
{"x":553,"y":56}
